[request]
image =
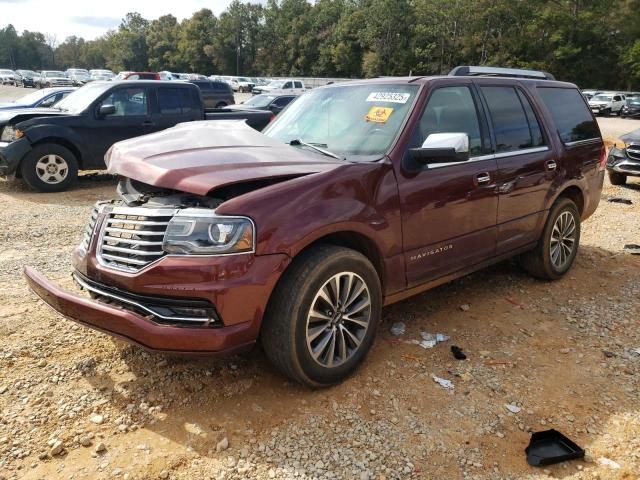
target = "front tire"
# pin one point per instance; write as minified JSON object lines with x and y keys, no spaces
{"x":617,"y":178}
{"x":557,"y":247}
{"x":323,"y":315}
{"x":49,"y":168}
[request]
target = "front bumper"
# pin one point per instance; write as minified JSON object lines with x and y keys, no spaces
{"x":618,"y":161}
{"x":239,"y":293}
{"x":11,"y":153}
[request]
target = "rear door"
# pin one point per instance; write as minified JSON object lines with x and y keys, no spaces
{"x":449,"y":210}
{"x":527,"y":164}
{"x":176,"y":104}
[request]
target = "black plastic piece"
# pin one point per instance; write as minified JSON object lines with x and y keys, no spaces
{"x":458,"y":354}
{"x":549,"y":447}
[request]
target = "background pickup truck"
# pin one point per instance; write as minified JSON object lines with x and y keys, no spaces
{"x":281,"y":87}
{"x":47,"y":147}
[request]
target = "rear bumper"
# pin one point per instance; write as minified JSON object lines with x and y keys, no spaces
{"x":11,"y":154}
{"x":140,"y":330}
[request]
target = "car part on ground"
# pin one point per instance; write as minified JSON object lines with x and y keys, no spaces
{"x":550,"y":447}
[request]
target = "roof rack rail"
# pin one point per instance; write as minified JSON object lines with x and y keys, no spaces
{"x":465,"y":71}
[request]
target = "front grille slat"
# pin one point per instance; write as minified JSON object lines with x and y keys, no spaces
{"x":88,"y":230}
{"x":131,"y":238}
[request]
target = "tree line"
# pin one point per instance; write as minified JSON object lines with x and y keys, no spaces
{"x":594,"y":43}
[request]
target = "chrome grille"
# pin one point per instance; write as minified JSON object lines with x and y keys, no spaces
{"x":131,"y":238}
{"x":634,"y":152}
{"x":88,"y":230}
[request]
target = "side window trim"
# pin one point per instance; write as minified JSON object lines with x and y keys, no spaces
{"x":522,"y":94}
{"x":480,"y":113}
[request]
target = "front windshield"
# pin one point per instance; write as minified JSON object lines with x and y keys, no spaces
{"x":31,"y":98}
{"x":79,"y":100}
{"x":244,"y":79}
{"x":55,"y":74}
{"x":602,"y":98}
{"x":349,"y":120}
{"x":27,"y":73}
{"x":260,"y":100}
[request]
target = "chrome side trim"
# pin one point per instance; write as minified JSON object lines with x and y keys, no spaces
{"x":88,"y":287}
{"x":492,"y":156}
{"x":588,"y":141}
{"x":621,"y":167}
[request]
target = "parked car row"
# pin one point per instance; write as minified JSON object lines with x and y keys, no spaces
{"x":624,"y":104}
{"x":52,"y":78}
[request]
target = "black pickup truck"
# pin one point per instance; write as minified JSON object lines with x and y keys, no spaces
{"x":47,"y":147}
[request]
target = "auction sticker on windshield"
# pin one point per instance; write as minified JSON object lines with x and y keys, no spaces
{"x":388,"y":97}
{"x":379,"y":114}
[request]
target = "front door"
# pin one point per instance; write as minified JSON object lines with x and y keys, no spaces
{"x":131,"y":119}
{"x":449,"y":210}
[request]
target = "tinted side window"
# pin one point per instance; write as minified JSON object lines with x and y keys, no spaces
{"x":287,"y":85}
{"x":534,"y":126}
{"x":174,"y":101}
{"x":570,"y":114}
{"x":298,"y":84}
{"x":510,"y":124}
{"x":128,"y":101}
{"x":282,"y":101}
{"x":452,"y":110}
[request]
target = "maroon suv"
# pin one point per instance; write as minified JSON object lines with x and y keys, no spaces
{"x":358,"y":195}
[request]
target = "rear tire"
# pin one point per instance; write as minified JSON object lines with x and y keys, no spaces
{"x":617,"y":178}
{"x":557,"y":248}
{"x":49,"y":167}
{"x":313,"y":335}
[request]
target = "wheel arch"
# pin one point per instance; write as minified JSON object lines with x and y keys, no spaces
{"x":576,"y":195}
{"x":64,"y":142}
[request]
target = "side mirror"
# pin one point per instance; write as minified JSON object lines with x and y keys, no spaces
{"x":105,"y":110}
{"x":442,"y":148}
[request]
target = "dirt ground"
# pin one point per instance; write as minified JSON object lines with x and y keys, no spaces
{"x":75,"y":404}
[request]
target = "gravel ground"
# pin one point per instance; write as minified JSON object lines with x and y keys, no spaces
{"x":76,"y":404}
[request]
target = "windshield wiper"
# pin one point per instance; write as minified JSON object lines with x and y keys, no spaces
{"x":316,"y":147}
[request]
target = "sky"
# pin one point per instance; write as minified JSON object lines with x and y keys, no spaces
{"x":91,"y":18}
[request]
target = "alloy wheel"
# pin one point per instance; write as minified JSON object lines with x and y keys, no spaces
{"x":338,"y":320}
{"x":563,"y":240}
{"x":52,"y":169}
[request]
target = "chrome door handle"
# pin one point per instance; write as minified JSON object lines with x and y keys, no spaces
{"x":551,"y":165}
{"x":483,"y":178}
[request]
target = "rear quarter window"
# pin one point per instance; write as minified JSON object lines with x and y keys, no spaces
{"x":570,"y":114}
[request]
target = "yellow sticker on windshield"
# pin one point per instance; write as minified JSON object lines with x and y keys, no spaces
{"x":378,"y":114}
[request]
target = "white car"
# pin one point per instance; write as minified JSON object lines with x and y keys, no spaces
{"x":9,"y":77}
{"x":242,"y":84}
{"x":287,"y":85}
{"x":607,"y":103}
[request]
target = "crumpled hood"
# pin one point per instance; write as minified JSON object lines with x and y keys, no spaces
{"x":197,"y":157}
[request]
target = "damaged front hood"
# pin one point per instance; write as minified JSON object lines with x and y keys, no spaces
{"x":633,"y":136}
{"x":198,"y":157}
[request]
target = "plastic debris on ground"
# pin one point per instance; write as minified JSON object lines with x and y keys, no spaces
{"x":549,"y":447}
{"x":458,"y":354}
{"x":430,"y":340}
{"x":398,"y":328}
{"x":443,"y":382}
{"x":632,"y":248}
{"x":513,"y":408}
{"x":625,"y":201}
{"x":608,"y":462}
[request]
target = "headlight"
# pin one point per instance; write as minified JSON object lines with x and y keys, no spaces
{"x":9,"y":134}
{"x":192,"y":231}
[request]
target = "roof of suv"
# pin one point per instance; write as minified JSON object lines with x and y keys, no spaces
{"x":427,"y":79}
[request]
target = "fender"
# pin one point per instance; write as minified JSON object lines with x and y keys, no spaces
{"x":57,"y":134}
